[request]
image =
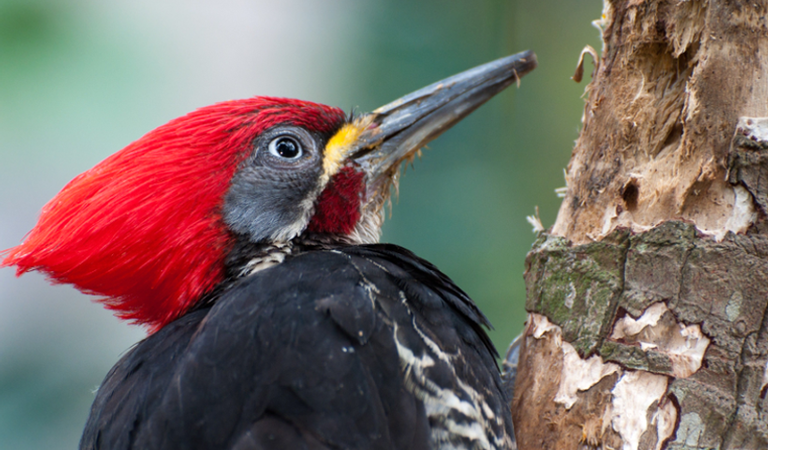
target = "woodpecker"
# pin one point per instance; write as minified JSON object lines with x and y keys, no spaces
{"x":244,"y":235}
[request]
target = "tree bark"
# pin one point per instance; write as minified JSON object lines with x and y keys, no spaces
{"x":647,"y":299}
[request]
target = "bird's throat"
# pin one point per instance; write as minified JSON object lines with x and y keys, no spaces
{"x":338,"y":207}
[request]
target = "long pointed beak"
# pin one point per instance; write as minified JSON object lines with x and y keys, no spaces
{"x":397,"y":130}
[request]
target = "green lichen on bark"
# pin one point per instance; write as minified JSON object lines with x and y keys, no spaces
{"x":722,"y":286}
{"x":577,"y":287}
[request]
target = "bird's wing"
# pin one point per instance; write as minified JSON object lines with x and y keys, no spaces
{"x":361,"y":347}
{"x":448,"y":358}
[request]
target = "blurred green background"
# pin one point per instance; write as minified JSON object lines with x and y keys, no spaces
{"x":81,"y":79}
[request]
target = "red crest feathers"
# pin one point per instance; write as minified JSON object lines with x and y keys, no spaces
{"x":144,"y":227}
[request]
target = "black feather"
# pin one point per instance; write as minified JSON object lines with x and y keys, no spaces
{"x":300,"y":355}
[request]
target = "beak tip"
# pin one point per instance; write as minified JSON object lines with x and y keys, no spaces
{"x":526,"y":62}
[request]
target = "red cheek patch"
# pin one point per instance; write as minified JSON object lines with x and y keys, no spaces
{"x":339,"y":205}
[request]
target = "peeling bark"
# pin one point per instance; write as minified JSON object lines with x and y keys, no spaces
{"x":647,"y":299}
{"x":687,"y":311}
{"x":674,"y":79}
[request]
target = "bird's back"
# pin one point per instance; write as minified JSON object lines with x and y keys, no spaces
{"x":358,"y":347}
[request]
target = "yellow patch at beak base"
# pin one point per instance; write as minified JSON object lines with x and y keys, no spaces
{"x":340,"y":146}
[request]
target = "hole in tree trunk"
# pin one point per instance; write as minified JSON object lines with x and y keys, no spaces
{"x":630,"y":194}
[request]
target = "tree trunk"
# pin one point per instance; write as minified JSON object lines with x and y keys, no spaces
{"x":647,"y":299}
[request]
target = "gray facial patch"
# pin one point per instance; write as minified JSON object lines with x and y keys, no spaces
{"x":272,"y":198}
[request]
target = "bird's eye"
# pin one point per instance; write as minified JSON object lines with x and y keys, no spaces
{"x":286,"y":148}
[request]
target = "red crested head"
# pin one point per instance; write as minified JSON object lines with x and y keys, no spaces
{"x":158,"y":225}
{"x":144,"y":228}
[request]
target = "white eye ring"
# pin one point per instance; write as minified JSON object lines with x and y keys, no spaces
{"x":286,"y":148}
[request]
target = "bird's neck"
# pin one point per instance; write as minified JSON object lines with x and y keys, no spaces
{"x":248,"y":257}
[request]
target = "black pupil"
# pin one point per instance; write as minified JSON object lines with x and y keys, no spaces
{"x":287,"y":148}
